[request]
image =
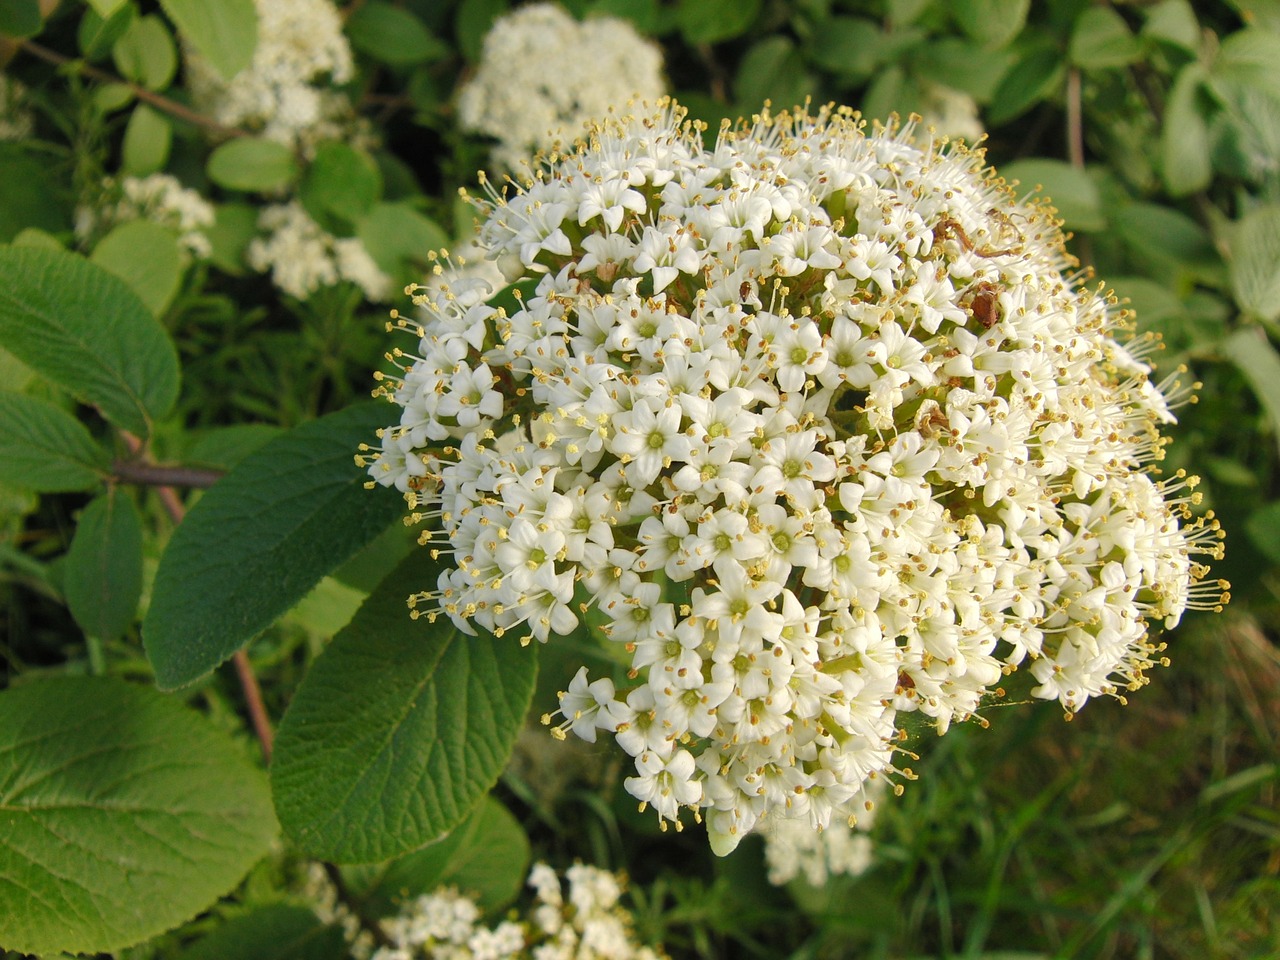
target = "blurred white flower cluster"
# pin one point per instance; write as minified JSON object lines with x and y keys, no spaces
{"x":16,"y":121}
{"x":543,"y":74}
{"x":160,"y":198}
{"x":819,"y":427}
{"x":302,"y":257}
{"x":287,"y":91}
{"x":792,"y":848}
{"x":589,"y":924}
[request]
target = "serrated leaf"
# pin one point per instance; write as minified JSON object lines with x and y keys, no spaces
{"x":147,"y":139}
{"x":146,"y":53}
{"x":125,"y":813}
{"x":82,"y":328}
{"x":1184,"y":139}
{"x":341,"y":182}
{"x":1071,"y":190}
{"x":393,"y":35}
{"x":1255,"y":262}
{"x":278,"y":932}
{"x":45,"y":449}
{"x":252,"y":164}
{"x":991,"y":22}
{"x":260,"y":539}
{"x":711,"y":21}
{"x":102,"y":576}
{"x":398,"y":728}
{"x":224,"y":31}
{"x":144,"y":255}
{"x":1250,"y":350}
{"x":485,"y":857}
{"x":1101,"y":39}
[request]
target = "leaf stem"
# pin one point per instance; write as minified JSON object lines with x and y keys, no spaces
{"x":157,"y":475}
{"x":171,"y":107}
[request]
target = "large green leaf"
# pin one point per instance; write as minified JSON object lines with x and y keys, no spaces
{"x":146,"y":53}
{"x":252,"y":164}
{"x":280,"y":931}
{"x":486,"y":857}
{"x":1253,"y":353}
{"x":710,"y":21}
{"x":991,"y":22}
{"x":260,"y":539}
{"x":224,"y":31}
{"x":20,"y":18}
{"x":393,"y":35}
{"x":144,"y":255}
{"x":102,"y":578}
{"x":1101,"y":39}
{"x":82,"y":328}
{"x":848,"y":46}
{"x":398,"y":728}
{"x":341,"y":182}
{"x":46,"y":449}
{"x":30,"y":195}
{"x":1255,"y":262}
{"x":125,"y":813}
{"x":1184,"y":139}
{"x":147,"y":139}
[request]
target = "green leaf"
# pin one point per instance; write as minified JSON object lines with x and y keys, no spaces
{"x":147,"y":140}
{"x":486,"y":857}
{"x":398,"y":728}
{"x":711,"y":21}
{"x":772,"y":70}
{"x":1101,"y":39}
{"x":234,"y":227}
{"x":105,"y":8}
{"x":643,"y":14}
{"x":252,"y":164}
{"x":98,"y":31}
{"x":278,"y":932}
{"x":393,"y":35}
{"x":1251,"y":58}
{"x":260,"y":539}
{"x":341,"y":182}
{"x":20,"y":18}
{"x":1184,"y":140}
{"x":991,"y":22}
{"x":1157,"y":232}
{"x":1255,"y":263}
{"x":82,"y":328}
{"x":395,"y":233}
{"x":847,"y":46}
{"x":144,"y":255}
{"x":1173,"y":21}
{"x":29,"y":194}
{"x":146,"y":53}
{"x":1071,"y":190}
{"x":125,"y":813}
{"x":224,"y":447}
{"x":102,"y":578}
{"x":1263,"y":528}
{"x":224,"y":31}
{"x":963,"y":66}
{"x":1250,"y":350}
{"x":475,"y":17}
{"x":1035,"y":76}
{"x":45,"y":449}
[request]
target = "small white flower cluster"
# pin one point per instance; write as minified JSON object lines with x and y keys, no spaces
{"x":792,"y":848}
{"x":160,"y":198}
{"x":543,"y":74}
{"x":302,"y":257}
{"x":951,"y":113}
{"x":815,"y":426}
{"x":591,"y":924}
{"x":16,"y":120}
{"x":286,"y":92}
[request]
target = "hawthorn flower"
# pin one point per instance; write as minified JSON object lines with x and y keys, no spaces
{"x":542,"y":74}
{"x":861,"y":442}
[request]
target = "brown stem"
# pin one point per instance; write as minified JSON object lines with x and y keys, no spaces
{"x":173,"y":506}
{"x":157,"y":475}
{"x":171,"y":107}
{"x":1075,"y":120}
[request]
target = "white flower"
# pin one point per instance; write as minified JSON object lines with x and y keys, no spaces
{"x":302,"y":258}
{"x":835,"y":437}
{"x":542,"y":74}
{"x":160,"y":198}
{"x":16,"y":119}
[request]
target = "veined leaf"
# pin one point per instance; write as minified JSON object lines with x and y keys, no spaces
{"x":224,"y":31}
{"x":46,"y":449}
{"x":102,"y":578}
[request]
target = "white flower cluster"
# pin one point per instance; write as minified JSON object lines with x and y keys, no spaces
{"x":951,"y":113}
{"x":16,"y":121}
{"x":813,"y":425}
{"x":543,"y":74}
{"x":792,"y":848}
{"x":302,"y":257}
{"x":160,"y":198}
{"x":286,"y":92}
{"x":591,"y":924}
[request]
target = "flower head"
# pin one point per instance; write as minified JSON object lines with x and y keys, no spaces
{"x":862,"y":442}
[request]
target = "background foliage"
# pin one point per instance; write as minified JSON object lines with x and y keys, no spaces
{"x":133,"y":376}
